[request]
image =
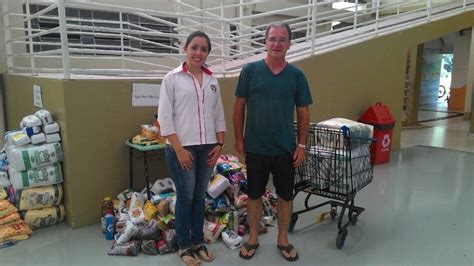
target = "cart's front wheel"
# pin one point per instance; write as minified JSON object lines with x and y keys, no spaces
{"x":341,"y":238}
{"x":354,"y":219}
{"x":294,"y":218}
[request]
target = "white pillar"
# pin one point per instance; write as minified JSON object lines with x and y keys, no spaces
{"x":470,"y":80}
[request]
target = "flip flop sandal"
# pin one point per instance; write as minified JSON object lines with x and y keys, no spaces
{"x":189,"y":253}
{"x":200,"y":249}
{"x":288,"y":250}
{"x":249,"y":248}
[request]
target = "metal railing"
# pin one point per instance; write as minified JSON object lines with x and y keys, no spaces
{"x":122,"y":40}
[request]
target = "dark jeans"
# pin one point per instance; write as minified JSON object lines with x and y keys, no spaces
{"x":191,"y":189}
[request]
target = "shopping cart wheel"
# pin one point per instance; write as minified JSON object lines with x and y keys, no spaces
{"x":294,"y":218}
{"x":333,"y":213}
{"x":341,"y":238}
{"x":354,"y":219}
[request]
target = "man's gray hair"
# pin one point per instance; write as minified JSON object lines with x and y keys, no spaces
{"x":278,"y":25}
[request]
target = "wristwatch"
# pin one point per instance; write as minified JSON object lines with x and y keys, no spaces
{"x":302,"y":146}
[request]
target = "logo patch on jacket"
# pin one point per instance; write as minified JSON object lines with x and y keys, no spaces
{"x":213,"y":88}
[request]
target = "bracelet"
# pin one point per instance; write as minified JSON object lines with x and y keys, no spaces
{"x":302,"y":146}
{"x":220,"y":144}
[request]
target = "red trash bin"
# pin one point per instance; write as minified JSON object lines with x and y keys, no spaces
{"x":380,"y":117}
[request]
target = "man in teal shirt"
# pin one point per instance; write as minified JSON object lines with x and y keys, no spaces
{"x":269,"y":90}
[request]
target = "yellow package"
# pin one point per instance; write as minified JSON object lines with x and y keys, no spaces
{"x":17,"y":231}
{"x":150,"y":210}
{"x":4,"y":204}
{"x":10,"y":209}
{"x":15,"y":216}
{"x":3,"y":194}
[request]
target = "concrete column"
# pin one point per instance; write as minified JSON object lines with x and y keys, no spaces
{"x":414,"y":84}
{"x":470,"y":81}
{"x":3,"y":69}
{"x":3,"y":62}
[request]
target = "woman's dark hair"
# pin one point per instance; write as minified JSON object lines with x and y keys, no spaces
{"x":279,"y":25}
{"x":198,"y":34}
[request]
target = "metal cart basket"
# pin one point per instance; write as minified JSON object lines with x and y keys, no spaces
{"x":336,"y":166}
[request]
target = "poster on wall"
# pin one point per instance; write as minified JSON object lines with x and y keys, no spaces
{"x":37,"y":99}
{"x":145,"y":94}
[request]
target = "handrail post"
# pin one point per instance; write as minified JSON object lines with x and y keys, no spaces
{"x":180,"y":23}
{"x":30,"y":40}
{"x":308,"y":18}
{"x":241,"y":25}
{"x":121,"y":41}
{"x":377,"y":16}
{"x":64,"y":40}
{"x":355,"y":14}
{"x":222,"y":38}
{"x":7,"y":34}
{"x":428,"y":9}
{"x":313,"y":27}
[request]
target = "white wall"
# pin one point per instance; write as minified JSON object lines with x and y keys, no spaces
{"x":461,"y":59}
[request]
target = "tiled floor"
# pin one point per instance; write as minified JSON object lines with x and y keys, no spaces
{"x":419,"y":211}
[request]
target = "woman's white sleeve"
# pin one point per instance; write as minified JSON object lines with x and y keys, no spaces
{"x":220,"y":125}
{"x":165,"y":107}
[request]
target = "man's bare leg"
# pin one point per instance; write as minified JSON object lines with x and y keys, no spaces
{"x":284,"y":208}
{"x":254,"y":210}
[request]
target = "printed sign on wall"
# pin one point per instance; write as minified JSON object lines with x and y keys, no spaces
{"x":145,"y":94}
{"x":37,"y":99}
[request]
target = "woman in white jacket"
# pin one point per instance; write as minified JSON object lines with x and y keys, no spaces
{"x":191,"y":118}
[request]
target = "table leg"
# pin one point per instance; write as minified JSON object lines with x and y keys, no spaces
{"x":145,"y":162}
{"x":130,"y":166}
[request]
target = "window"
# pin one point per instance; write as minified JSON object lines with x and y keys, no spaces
{"x":107,"y":20}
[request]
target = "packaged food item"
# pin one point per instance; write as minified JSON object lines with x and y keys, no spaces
{"x":218,"y":184}
{"x":51,"y":128}
{"x":212,"y":231}
{"x":149,"y":247}
{"x":3,"y":194}
{"x":43,"y":217}
{"x":169,"y":242}
{"x":130,"y":248}
{"x":125,"y":195}
{"x":36,"y":177}
{"x":45,"y":116}
{"x":231,"y":239}
{"x":54,"y":137}
{"x":137,"y":200}
{"x":15,"y":231}
{"x":39,"y":197}
{"x":7,"y":243}
{"x":150,"y":210}
{"x":136,"y":215}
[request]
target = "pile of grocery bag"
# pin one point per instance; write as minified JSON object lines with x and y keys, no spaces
{"x":32,"y":157}
{"x":148,"y":225}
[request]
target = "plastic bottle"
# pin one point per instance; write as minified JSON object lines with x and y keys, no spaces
{"x":109,"y":227}
{"x":107,"y":206}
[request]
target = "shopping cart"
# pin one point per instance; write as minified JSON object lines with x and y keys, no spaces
{"x":336,"y":166}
